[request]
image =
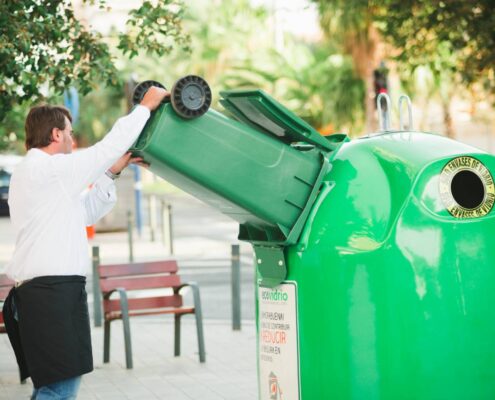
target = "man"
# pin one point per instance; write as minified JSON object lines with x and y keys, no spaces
{"x":46,"y":313}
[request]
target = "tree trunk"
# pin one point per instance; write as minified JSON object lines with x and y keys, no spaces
{"x":364,"y":52}
{"x":447,"y":118}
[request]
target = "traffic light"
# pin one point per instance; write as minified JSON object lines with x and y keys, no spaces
{"x":380,"y":80}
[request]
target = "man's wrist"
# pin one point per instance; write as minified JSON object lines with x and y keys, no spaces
{"x":111,"y":175}
{"x":149,"y":107}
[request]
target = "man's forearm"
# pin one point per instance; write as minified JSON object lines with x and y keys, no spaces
{"x":100,"y":200}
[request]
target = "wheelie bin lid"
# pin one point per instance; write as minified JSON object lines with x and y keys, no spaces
{"x":262,"y":112}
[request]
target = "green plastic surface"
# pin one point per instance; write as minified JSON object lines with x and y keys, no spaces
{"x":271,"y":265}
{"x":262,"y":182}
{"x":259,"y":110}
{"x":395,"y":295}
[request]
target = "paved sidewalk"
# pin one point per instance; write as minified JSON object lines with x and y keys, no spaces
{"x":229,"y":372}
{"x":202,"y":246}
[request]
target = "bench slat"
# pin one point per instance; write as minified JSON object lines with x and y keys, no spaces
{"x":5,"y":281}
{"x":5,"y":286}
{"x":152,"y":267}
{"x":184,"y":310}
{"x":4,"y":291}
{"x":144,"y":303}
{"x":149,"y":282}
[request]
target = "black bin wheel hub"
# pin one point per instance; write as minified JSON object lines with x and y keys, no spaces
{"x":191,"y":96}
{"x":142,"y":88}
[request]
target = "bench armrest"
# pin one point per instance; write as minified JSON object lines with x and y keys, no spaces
{"x":195,"y":290}
{"x":124,"y":304}
{"x":106,"y":295}
{"x":124,"y":307}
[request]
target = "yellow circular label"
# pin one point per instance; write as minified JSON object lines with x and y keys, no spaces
{"x":475,"y":166}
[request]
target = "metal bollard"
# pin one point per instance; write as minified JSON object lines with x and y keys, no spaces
{"x":236,"y":287}
{"x":170,"y":230}
{"x":129,"y":235}
{"x":168,"y":238}
{"x":96,"y":286}
{"x":152,"y":216}
{"x":138,"y":195}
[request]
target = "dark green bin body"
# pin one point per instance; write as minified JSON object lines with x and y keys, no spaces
{"x":257,"y":179}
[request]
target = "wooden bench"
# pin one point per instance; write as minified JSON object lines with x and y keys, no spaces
{"x":123,"y":278}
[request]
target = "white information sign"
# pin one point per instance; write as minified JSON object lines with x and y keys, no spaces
{"x":278,"y":343}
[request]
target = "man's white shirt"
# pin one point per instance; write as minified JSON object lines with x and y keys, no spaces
{"x":50,"y":204}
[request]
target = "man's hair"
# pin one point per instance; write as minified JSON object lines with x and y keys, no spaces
{"x":39,"y":124}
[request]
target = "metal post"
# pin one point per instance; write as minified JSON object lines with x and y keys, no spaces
{"x":168,"y":239}
{"x":384,"y":114}
{"x":170,"y":231}
{"x":236,"y":288}
{"x":164,"y":220}
{"x":129,"y":235}
{"x":96,"y":286}
{"x":138,"y":196}
{"x":409,"y":112}
{"x":152,"y":215}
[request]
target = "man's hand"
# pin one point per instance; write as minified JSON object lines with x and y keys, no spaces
{"x":153,"y":97}
{"x":124,"y":161}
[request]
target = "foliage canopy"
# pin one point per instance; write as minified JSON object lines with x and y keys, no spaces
{"x":43,"y":44}
{"x":419,"y":28}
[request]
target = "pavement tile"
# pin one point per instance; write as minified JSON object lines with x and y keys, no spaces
{"x":230,"y":369}
{"x":157,"y":374}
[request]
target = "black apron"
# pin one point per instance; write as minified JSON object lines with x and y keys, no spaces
{"x":51,"y":336}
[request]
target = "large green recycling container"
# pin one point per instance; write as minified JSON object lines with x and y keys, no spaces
{"x":390,"y":288}
{"x":374,"y":257}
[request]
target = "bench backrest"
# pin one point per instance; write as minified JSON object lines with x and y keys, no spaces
{"x":141,"y":276}
{"x":138,"y":276}
{"x":5,"y":286}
